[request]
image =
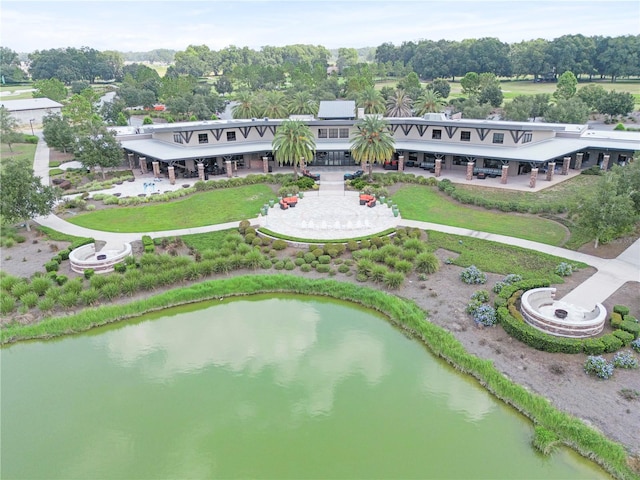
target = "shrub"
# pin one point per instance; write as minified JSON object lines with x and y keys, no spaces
{"x":88,"y":273}
{"x":636,"y":345}
{"x":472,"y":275}
{"x":599,"y":367}
{"x":244,"y":224}
{"x":120,"y":267}
{"x":426,"y":263}
{"x":279,"y":245}
{"x":46,"y":304}
{"x":40,"y":285}
{"x":110,"y":290}
{"x":343,"y":268}
{"x":616,"y":320}
{"x":512,"y":278}
{"x":564,"y":269}
{"x":485,"y":315}
{"x":378,"y":273}
{"x":69,"y":299}
{"x":305,"y":268}
{"x":631,"y":327}
{"x":472,"y":306}
{"x":7,"y":304}
{"x":393,"y":280}
{"x":621,"y":309}
{"x":364,"y":267}
{"x":625,"y":337}
{"x":324,"y":259}
{"x":361,"y":277}
{"x":625,"y":359}
{"x":481,"y":295}
{"x":323,"y":268}
{"x":20,"y":288}
{"x":352,"y":245}
{"x":403,"y":266}
{"x":90,"y":296}
{"x":611,"y":343}
{"x":593,"y":346}
{"x":497,"y":288}
{"x":29,"y":299}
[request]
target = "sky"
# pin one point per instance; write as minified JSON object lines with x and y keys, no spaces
{"x":26,"y":26}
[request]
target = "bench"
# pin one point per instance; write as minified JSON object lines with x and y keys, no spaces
{"x":487,"y":172}
{"x":365,"y":199}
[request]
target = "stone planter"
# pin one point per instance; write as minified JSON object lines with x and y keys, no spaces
{"x":271,"y":203}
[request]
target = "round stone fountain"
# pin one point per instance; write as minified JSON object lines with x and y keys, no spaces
{"x":86,"y":257}
{"x":540,"y":310}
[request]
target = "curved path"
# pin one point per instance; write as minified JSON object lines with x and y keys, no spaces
{"x":611,"y":274}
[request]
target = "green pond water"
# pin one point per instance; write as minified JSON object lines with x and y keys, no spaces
{"x":257,"y":388}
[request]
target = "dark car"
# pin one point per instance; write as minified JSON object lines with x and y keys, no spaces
{"x":351,"y":176}
{"x":411,"y":163}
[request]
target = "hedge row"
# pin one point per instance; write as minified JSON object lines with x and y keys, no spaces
{"x":515,"y":325}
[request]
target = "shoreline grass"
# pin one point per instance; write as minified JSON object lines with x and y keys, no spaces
{"x":404,"y":313}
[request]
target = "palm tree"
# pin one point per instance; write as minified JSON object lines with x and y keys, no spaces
{"x":302,"y":103}
{"x":371,"y":100}
{"x":399,"y":104}
{"x":245,"y":106}
{"x":271,"y":104}
{"x":292,"y":142}
{"x":372,"y":142}
{"x":429,"y":102}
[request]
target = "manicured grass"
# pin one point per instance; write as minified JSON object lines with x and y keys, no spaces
{"x":498,"y":257}
{"x":206,"y":208}
{"x":13,"y":88}
{"x":206,"y":241}
{"x":21,"y":151}
{"x":428,"y":205}
{"x":561,"y":195}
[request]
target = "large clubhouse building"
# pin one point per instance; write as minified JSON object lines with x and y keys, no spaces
{"x":495,"y":148}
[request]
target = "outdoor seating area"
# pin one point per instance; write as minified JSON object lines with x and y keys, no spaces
{"x":287,"y":202}
{"x":483,"y":173}
{"x":368,"y":200}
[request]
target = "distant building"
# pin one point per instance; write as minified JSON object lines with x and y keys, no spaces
{"x":31,"y":111}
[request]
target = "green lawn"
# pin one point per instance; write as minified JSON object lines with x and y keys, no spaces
{"x":13,"y":88}
{"x":428,"y":205}
{"x":21,"y":151}
{"x":206,"y":208}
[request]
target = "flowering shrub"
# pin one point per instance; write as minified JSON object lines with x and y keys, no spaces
{"x":625,"y":360}
{"x":472,"y":275}
{"x":599,"y":367}
{"x":473,"y":306}
{"x":564,"y":269}
{"x":636,"y":344}
{"x":485,"y":315}
{"x":497,"y":288}
{"x":512,"y":278}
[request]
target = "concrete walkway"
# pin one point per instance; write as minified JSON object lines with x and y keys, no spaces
{"x":611,"y":274}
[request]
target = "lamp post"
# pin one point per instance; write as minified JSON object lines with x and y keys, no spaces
{"x":31,"y":123}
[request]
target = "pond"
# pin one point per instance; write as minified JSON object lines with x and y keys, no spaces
{"x":262,"y":387}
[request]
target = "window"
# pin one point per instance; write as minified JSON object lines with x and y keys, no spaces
{"x":465,"y":136}
{"x":203,"y":138}
{"x":527,"y":137}
{"x":436,"y":134}
{"x":231,"y":136}
{"x":344,"y":133}
{"x":177,"y":138}
{"x":498,"y":138}
{"x":333,"y":133}
{"x":322,"y":133}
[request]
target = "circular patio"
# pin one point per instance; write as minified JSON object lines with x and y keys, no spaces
{"x":329,"y":217}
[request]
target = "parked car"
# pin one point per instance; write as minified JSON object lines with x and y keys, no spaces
{"x":411,"y":163}
{"x":351,"y":176}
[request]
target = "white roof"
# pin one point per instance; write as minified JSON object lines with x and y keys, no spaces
{"x":29,"y":104}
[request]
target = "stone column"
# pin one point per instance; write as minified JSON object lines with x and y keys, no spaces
{"x":505,"y":174}
{"x":438,"y":169}
{"x":201,"y":171}
{"x":550,"y":170}
{"x":143,"y":164}
{"x":533,"y":178}
{"x":470,"y":170}
{"x":605,"y":162}
{"x":172,"y":175}
{"x":400,"y":163}
{"x":131,"y":161}
{"x":229,"y":168}
{"x":578,"y":165}
{"x":156,"y":169}
{"x":265,"y":164}
{"x":565,"y":165}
